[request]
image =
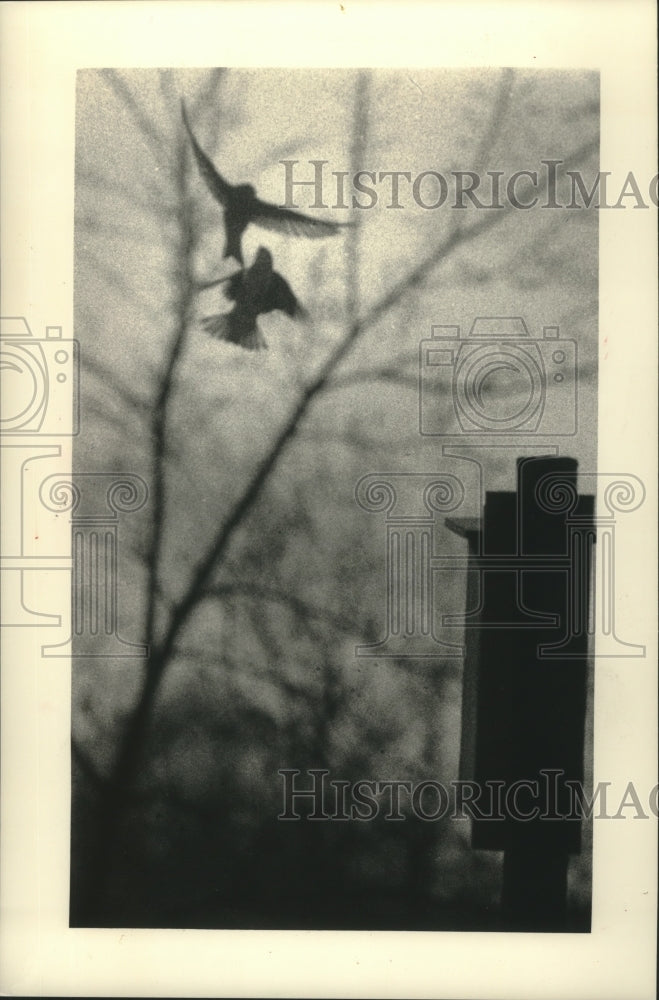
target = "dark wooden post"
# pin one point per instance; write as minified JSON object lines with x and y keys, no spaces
{"x":524,"y":693}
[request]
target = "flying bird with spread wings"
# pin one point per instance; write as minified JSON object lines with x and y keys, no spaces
{"x":256,"y":291}
{"x":242,"y":207}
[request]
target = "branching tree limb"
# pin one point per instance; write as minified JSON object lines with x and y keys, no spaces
{"x":164,"y":642}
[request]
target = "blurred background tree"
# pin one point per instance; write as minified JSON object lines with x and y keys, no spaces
{"x":252,"y":573}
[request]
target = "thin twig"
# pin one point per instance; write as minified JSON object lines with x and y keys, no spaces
{"x":163,"y":649}
{"x":272,"y":594}
{"x":204,"y":569}
{"x":119,"y":784}
{"x":160,"y":150}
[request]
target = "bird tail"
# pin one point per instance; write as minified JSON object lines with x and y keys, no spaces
{"x":236,"y":327}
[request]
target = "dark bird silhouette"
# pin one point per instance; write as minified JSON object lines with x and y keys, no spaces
{"x":256,"y":291}
{"x":242,"y":207}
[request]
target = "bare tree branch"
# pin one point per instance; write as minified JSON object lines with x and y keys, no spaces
{"x":164,"y":646}
{"x":202,"y":572}
{"x":159,"y":148}
{"x":157,"y":206}
{"x":497,"y":118}
{"x":115,"y":277}
{"x":385,"y":374}
{"x":459,"y":237}
{"x":128,"y":755}
{"x":109,"y":377}
{"x":302,"y":608}
{"x":160,"y":413}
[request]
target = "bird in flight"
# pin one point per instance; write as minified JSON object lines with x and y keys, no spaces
{"x":255,"y":291}
{"x":242,"y":207}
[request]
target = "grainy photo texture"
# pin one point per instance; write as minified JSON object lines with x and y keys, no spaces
{"x":333,"y":509}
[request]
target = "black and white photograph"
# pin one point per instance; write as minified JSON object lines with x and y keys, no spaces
{"x":326,"y":312}
{"x":319,"y":536}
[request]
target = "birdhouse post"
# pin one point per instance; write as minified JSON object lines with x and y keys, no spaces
{"x":524,"y":694}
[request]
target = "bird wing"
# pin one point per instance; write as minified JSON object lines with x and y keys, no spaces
{"x":235,"y":284}
{"x":284,"y":298}
{"x":218,"y":187}
{"x":285,"y":220}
